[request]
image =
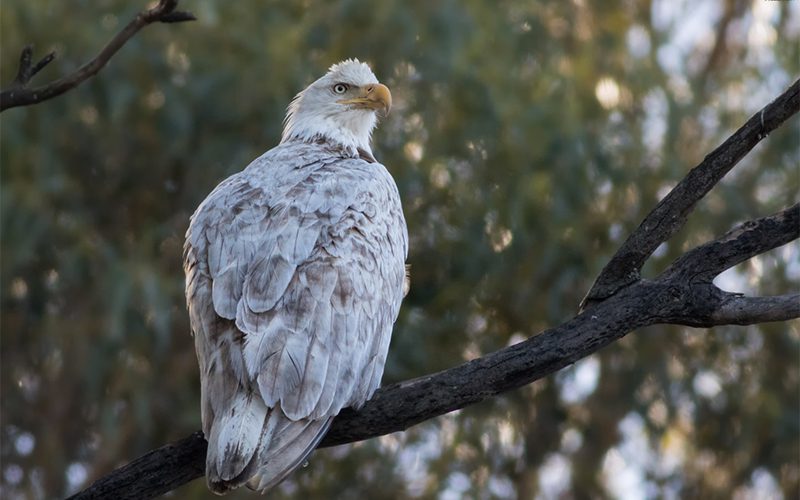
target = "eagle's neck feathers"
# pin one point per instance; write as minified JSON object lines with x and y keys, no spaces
{"x":351,"y":129}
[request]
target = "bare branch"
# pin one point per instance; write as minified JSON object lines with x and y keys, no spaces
{"x":747,"y":240}
{"x":671,"y":212}
{"x":18,"y":94}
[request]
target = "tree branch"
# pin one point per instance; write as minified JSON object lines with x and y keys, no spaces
{"x":18,"y":94}
{"x":670,"y":298}
{"x":671,"y":212}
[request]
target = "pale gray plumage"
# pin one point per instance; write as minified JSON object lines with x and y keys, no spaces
{"x":294,"y":278}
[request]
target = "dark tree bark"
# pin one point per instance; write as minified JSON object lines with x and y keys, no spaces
{"x":19,"y":94}
{"x":619,"y":302}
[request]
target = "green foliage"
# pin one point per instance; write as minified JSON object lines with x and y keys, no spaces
{"x":528,"y":138}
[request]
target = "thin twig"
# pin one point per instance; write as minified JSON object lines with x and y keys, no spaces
{"x":18,"y":94}
{"x":26,"y":70}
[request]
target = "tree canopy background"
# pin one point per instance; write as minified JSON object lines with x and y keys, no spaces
{"x":528,"y":138}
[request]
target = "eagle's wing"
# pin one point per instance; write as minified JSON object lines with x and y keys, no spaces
{"x":295,"y":273}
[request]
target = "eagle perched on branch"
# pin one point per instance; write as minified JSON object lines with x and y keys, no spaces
{"x":295,"y":270}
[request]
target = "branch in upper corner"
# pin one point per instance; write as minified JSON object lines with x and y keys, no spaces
{"x":18,"y":94}
{"x":704,"y":263}
{"x":671,"y":212}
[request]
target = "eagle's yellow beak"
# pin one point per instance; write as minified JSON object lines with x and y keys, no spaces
{"x":373,"y":96}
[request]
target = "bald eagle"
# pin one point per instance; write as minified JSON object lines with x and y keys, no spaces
{"x":295,"y":270}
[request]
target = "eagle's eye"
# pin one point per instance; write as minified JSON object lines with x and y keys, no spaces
{"x":340,"y":88}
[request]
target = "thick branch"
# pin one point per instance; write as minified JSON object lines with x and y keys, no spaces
{"x":18,"y":94}
{"x":671,"y":212}
{"x":755,"y":237}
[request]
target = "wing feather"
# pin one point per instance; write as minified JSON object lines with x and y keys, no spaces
{"x":226,"y":291}
{"x":282,"y":370}
{"x":331,"y":385}
{"x":300,"y":403}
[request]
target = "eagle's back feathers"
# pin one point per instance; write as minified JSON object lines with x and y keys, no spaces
{"x":294,"y":278}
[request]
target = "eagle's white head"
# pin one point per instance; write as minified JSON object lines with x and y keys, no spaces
{"x":340,"y":107}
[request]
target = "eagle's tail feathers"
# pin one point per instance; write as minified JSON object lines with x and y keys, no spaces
{"x":288,"y":449}
{"x":234,"y":442}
